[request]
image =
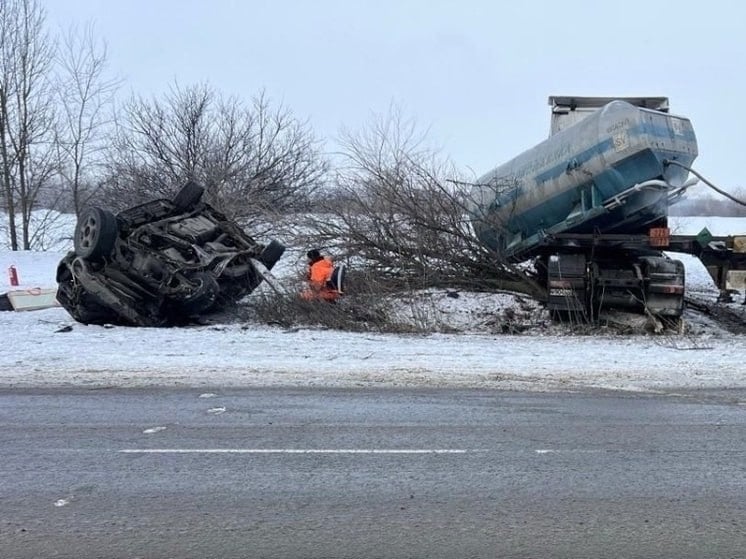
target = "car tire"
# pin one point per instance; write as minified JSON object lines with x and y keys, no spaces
{"x":95,"y":233}
{"x":271,"y":254}
{"x":188,"y":196}
{"x":203,"y":297}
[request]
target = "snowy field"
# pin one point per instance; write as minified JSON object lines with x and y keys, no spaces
{"x":47,"y":348}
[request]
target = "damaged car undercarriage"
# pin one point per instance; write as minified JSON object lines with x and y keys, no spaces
{"x":159,"y":264}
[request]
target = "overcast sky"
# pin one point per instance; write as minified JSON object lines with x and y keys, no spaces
{"x":476,"y":73}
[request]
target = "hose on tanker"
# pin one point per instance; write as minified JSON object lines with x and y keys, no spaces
{"x":704,"y":180}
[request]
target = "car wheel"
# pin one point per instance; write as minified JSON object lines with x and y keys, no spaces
{"x":204,"y":295}
{"x":189,"y":195}
{"x":271,"y":254}
{"x":95,"y":233}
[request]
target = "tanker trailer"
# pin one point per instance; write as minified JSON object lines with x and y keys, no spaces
{"x":586,"y":202}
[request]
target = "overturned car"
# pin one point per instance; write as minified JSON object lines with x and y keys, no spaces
{"x":159,"y":264}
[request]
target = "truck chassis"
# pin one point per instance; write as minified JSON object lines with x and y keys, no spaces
{"x":585,"y":273}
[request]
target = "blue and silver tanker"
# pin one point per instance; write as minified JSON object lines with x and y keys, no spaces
{"x":606,"y":171}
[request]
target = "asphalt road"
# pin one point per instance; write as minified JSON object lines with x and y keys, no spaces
{"x":311,"y":473}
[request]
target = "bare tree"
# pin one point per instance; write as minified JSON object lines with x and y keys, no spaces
{"x":400,"y":210}
{"x":26,"y":115}
{"x":85,"y":96}
{"x":248,"y":157}
{"x":8,"y":41}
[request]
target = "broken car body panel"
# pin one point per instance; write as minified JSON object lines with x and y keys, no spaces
{"x":159,"y":263}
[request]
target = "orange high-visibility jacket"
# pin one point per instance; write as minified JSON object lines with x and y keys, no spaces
{"x":320,"y":273}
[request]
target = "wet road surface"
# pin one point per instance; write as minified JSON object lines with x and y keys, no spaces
{"x":314,"y":473}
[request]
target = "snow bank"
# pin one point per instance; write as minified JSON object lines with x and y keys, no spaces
{"x":47,"y":348}
{"x":40,"y":354}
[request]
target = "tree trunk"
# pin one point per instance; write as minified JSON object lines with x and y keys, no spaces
{"x":7,"y":182}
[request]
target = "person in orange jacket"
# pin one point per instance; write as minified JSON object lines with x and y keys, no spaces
{"x":319,"y":274}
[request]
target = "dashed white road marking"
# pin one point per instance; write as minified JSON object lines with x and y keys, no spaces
{"x":61,"y":502}
{"x":295,"y":451}
{"x":217,"y":410}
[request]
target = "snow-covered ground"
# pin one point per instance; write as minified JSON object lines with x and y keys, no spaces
{"x":47,"y":348}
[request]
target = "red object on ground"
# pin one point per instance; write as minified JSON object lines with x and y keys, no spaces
{"x":13,"y":275}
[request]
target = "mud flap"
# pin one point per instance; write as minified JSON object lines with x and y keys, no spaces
{"x":664,"y":286}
